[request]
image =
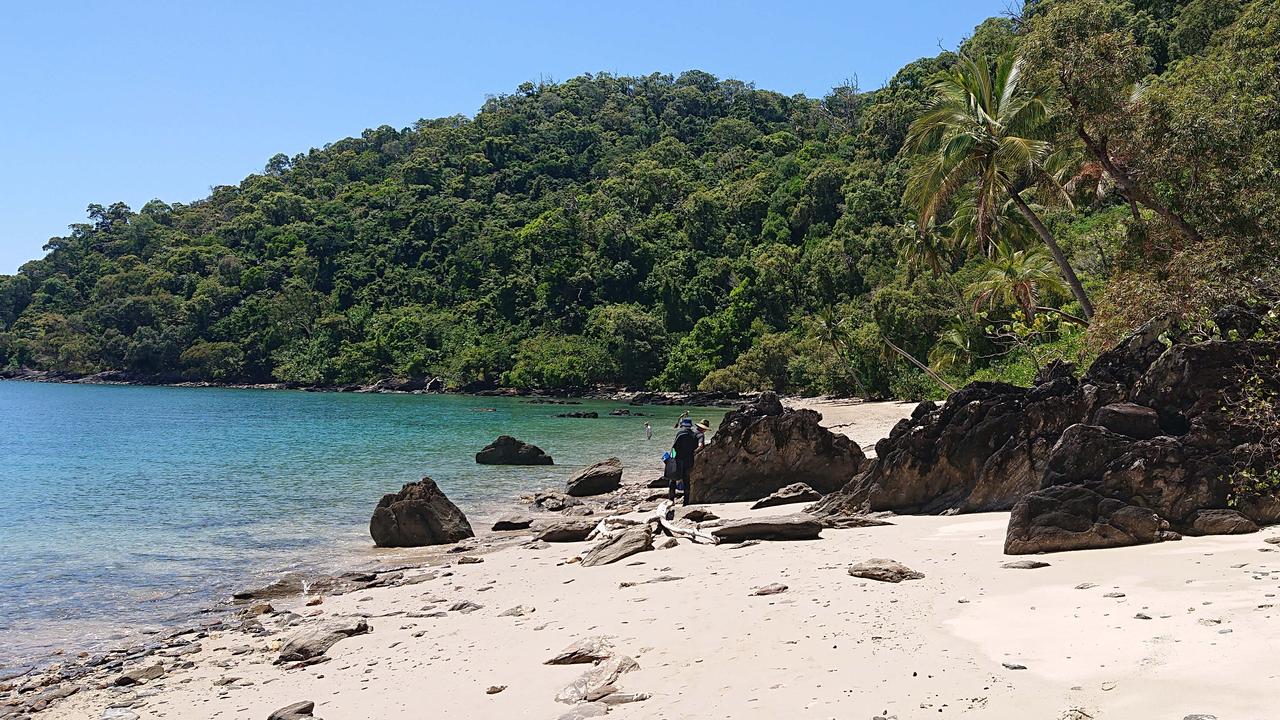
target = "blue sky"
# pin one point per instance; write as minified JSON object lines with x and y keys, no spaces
{"x":141,"y":100}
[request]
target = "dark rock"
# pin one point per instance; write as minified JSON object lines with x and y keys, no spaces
{"x":884,"y":570}
{"x":623,"y":545}
{"x":578,"y":511}
{"x":799,"y":526}
{"x":695,"y":514}
{"x":1220,"y":522}
{"x":1055,"y":370}
{"x":603,"y":477}
{"x":554,"y":501}
{"x":848,"y":522}
{"x":763,"y":447}
{"x":507,"y":450}
{"x":794,"y":493}
{"x":419,"y":514}
{"x":1126,"y":418}
{"x":314,"y":641}
{"x":567,"y":531}
{"x":773,"y":589}
{"x":296,"y":711}
{"x":138,"y":676}
{"x":1073,"y":517}
{"x":587,"y":414}
{"x":512,"y":522}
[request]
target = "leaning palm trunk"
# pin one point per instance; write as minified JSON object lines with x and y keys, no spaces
{"x":1059,"y":257}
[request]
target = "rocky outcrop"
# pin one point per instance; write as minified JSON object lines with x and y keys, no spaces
{"x":419,"y":514}
{"x":794,"y":493}
{"x":507,"y":450}
{"x":799,"y":526}
{"x":1073,"y":517}
{"x":763,"y":447}
{"x":603,"y":477}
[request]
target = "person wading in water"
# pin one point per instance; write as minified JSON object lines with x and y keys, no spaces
{"x":685,"y":447}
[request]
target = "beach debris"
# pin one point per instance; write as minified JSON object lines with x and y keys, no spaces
{"x":418,"y":515}
{"x":850,"y":522}
{"x":506,"y":450}
{"x":512,"y":522}
{"x":586,"y":650}
{"x":793,"y":493}
{"x":1200,"y":716}
{"x":1025,"y":565}
{"x":494,"y":689}
{"x":313,"y":642}
{"x":773,"y":589}
{"x":465,"y":607}
{"x":598,"y":682}
{"x":1114,"y":595}
{"x":1086,"y":586}
{"x":620,"y":698}
{"x":296,"y":711}
{"x":660,"y":578}
{"x":567,"y":531}
{"x":1272,"y":540}
{"x":884,"y":570}
{"x":1013,"y":666}
{"x":797,"y":526}
{"x":554,"y":501}
{"x":583,"y":711}
{"x":517,"y":611}
{"x":118,"y":713}
{"x":470,"y":560}
{"x":139,"y":676}
{"x":1141,"y":616}
{"x":622,"y":545}
{"x":598,"y":479}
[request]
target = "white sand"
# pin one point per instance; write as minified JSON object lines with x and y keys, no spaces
{"x":864,"y":422}
{"x":831,"y":646}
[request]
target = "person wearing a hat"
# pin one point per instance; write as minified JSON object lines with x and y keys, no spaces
{"x":684,"y":447}
{"x":701,"y":427}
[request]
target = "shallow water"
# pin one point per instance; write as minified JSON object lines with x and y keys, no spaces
{"x":124,"y":507}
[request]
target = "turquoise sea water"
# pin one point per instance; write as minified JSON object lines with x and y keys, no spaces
{"x":127,"y":507}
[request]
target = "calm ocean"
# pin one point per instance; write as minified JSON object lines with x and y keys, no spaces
{"x":123,"y":508}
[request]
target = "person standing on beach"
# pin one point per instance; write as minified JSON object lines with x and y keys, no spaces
{"x":685,"y":447}
{"x":648,"y":431}
{"x":701,"y":428}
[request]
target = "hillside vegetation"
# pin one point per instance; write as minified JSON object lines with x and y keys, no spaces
{"x":1059,"y":178}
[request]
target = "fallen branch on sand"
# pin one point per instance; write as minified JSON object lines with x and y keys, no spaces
{"x":614,"y":524}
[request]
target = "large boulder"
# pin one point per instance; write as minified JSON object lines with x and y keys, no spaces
{"x":1136,"y":421}
{"x":799,"y":526}
{"x":1073,"y":517}
{"x":507,"y":450}
{"x":763,"y":447}
{"x":419,"y":514}
{"x":316,"y":640}
{"x":603,"y":477}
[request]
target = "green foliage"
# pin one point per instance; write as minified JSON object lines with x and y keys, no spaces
{"x":560,"y":361}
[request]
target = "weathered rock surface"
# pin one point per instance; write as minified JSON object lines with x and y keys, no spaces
{"x":764,"y":447}
{"x":623,"y":545}
{"x":418,"y":515}
{"x":512,"y":522}
{"x":598,"y":479}
{"x":313,"y":641}
{"x":507,"y":450}
{"x":1126,"y":418}
{"x":567,"y":531}
{"x":586,"y":650}
{"x":884,"y":570}
{"x":1073,"y":517}
{"x":1220,"y":522}
{"x":554,"y":501}
{"x":296,"y":711}
{"x":138,"y":676}
{"x":798,"y":526}
{"x":598,"y":682}
{"x":793,"y":493}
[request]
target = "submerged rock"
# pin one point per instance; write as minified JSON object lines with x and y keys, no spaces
{"x":598,"y":479}
{"x":507,"y":450}
{"x":764,"y":447}
{"x":419,"y":514}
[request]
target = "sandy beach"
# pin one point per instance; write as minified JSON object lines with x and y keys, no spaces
{"x":1174,"y":630}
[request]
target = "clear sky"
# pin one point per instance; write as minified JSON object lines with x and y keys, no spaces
{"x":107,"y":101}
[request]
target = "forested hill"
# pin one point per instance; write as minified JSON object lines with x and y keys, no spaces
{"x":688,"y":231}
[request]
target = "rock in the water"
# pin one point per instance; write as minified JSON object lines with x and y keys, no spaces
{"x":137,"y":676}
{"x":623,"y":545}
{"x":773,"y":589}
{"x":567,"y":531}
{"x":513,"y":522}
{"x":586,"y":650}
{"x":419,"y":514}
{"x":793,"y":493}
{"x":1025,"y":565}
{"x":1220,"y":522}
{"x":314,"y":641}
{"x":1073,"y":517}
{"x":798,"y":526}
{"x":763,"y":447}
{"x":296,"y":711}
{"x":507,"y":450}
{"x":587,"y":414}
{"x":884,"y":570}
{"x":603,"y":477}
{"x":1136,"y":421}
{"x":597,"y":682}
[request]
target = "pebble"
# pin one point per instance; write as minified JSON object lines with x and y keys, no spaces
{"x":1013,"y":666}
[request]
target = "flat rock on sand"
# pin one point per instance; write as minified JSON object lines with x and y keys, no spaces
{"x":586,"y":650}
{"x":797,"y":526}
{"x":1025,"y":565}
{"x":296,"y":711}
{"x":567,"y":531}
{"x":623,"y":545}
{"x":793,"y":493}
{"x":884,"y":570}
{"x":310,"y":642}
{"x":598,"y":682}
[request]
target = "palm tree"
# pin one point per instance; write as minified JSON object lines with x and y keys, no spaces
{"x":926,"y":249}
{"x":983,"y":135}
{"x":1015,"y":277}
{"x":952,"y":350}
{"x":833,"y":331}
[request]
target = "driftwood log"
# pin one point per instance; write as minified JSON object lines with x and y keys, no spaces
{"x":614,"y":524}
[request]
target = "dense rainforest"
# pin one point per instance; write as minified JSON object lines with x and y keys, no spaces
{"x":1069,"y":171}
